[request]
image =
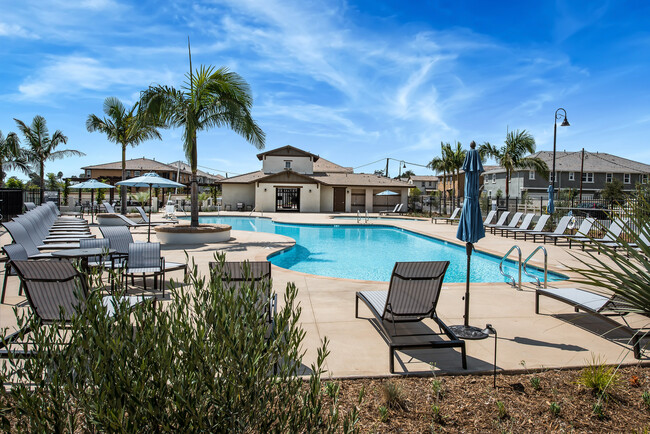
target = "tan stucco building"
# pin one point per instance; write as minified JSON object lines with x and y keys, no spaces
{"x":295,"y":180}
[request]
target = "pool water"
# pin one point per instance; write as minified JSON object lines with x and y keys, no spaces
{"x":374,"y":218}
{"x":369,"y":252}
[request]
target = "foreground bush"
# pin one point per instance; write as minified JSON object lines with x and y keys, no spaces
{"x":205,"y":362}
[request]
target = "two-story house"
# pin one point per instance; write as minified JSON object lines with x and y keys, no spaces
{"x":427,"y":184}
{"x":598,"y":169}
{"x":295,"y":180}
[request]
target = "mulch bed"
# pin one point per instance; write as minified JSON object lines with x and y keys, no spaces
{"x":470,"y":404}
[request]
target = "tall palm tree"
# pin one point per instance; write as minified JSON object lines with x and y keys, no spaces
{"x":442,"y":164}
{"x":11,"y":156}
{"x":41,"y":147}
{"x":512,"y":155}
{"x":209,"y":98}
{"x":124,"y":127}
{"x":456,"y":158}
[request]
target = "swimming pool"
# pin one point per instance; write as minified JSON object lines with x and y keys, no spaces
{"x":362,"y":218}
{"x":366,"y":252}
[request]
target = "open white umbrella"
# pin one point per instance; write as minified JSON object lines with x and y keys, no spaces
{"x":387,"y":193}
{"x":150,"y":180}
{"x":92,"y":185}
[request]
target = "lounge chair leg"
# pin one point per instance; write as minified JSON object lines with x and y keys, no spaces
{"x":391,"y":363}
{"x":4,"y":286}
{"x":636,"y":345}
{"x":536,"y":302}
{"x":144,"y":281}
{"x":356,"y":305}
{"x":463,"y":354}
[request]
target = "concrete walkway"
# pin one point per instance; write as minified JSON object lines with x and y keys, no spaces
{"x":558,"y":337}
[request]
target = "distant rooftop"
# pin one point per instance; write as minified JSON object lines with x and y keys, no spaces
{"x":598,"y":162}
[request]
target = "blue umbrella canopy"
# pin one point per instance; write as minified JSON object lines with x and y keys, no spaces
{"x":551,"y":200}
{"x":150,"y":179}
{"x":92,"y":184}
{"x":387,"y":193}
{"x":470,"y":226}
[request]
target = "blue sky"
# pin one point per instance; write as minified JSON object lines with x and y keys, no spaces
{"x":353,"y":81}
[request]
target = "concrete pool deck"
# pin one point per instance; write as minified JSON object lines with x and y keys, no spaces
{"x":557,"y":338}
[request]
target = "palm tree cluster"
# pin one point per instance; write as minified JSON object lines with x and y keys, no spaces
{"x":40,"y":148}
{"x":513,"y":155}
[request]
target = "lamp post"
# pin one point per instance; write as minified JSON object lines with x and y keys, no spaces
{"x":399,"y":176}
{"x":564,"y":123}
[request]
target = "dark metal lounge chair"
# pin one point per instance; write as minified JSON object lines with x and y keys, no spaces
{"x":14,"y":252}
{"x":598,"y":305}
{"x":145,"y":217}
{"x":451,"y":219}
{"x":412,"y":296}
{"x":55,"y":290}
{"x":20,"y":236}
{"x":238,"y":274}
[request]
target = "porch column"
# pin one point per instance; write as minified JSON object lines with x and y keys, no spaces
{"x":369,"y":197}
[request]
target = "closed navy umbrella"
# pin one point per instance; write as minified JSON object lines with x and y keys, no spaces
{"x":551,"y":201}
{"x":470,"y":230}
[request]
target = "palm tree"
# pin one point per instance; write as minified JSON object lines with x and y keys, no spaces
{"x":456,"y":158}
{"x":124,"y":127}
{"x":209,"y":98}
{"x":42,"y":147}
{"x":511,"y":156}
{"x":11,"y":156}
{"x":442,"y":164}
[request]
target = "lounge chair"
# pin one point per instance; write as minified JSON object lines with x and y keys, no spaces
{"x":53,"y":288}
{"x":412,"y":296}
{"x":514,"y":221}
{"x":130,"y":223}
{"x":145,"y":259}
{"x":489,"y":218}
{"x":20,"y":236}
{"x":240,"y":206}
{"x":145,"y":217}
{"x":238,"y":274}
{"x":525,"y":224}
{"x":559,"y":230}
{"x":394,"y":211}
{"x":452,"y":218}
{"x":14,"y":252}
{"x":539,"y":226}
{"x":500,"y":222}
{"x":109,"y":208}
{"x":611,"y":235}
{"x":582,"y":233}
{"x":40,"y":235}
{"x":119,"y":239}
{"x":598,"y":305}
{"x":29,"y":206}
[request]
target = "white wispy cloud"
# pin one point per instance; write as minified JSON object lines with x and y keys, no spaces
{"x":16,"y":31}
{"x":74,"y":75}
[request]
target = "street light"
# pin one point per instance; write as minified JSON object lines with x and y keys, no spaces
{"x":564,"y":123}
{"x":399,"y":176}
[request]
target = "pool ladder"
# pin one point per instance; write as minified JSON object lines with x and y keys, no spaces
{"x":522,"y":266}
{"x":366,"y":218}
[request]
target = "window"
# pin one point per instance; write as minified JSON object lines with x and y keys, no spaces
{"x":430,"y":183}
{"x":550,"y":177}
{"x":588,"y":177}
{"x":572,"y":176}
{"x":644,"y":178}
{"x":136,"y":173}
{"x":626,"y":178}
{"x":531,"y":175}
{"x":128,"y":173}
{"x":609,"y":177}
{"x":494,"y":178}
{"x":87,"y":173}
{"x":287,"y":164}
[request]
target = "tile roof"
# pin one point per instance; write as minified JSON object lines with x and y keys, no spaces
{"x":323,"y":165}
{"x":330,"y":178}
{"x":424,"y":178}
{"x":144,"y":164}
{"x":187,"y":168}
{"x":599,"y":162}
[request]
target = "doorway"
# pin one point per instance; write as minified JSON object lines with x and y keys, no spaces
{"x":287,"y":199}
{"x":339,"y":199}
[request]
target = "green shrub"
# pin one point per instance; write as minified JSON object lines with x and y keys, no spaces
{"x":601,"y":379}
{"x":383,"y":414}
{"x":535,"y":382}
{"x":393,"y":396}
{"x":502,"y":411}
{"x":554,"y":408}
{"x":203,"y":362}
{"x":646,"y":399}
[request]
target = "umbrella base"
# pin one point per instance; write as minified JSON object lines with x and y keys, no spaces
{"x":468,"y":332}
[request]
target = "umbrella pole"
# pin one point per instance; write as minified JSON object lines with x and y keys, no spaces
{"x":92,"y":206}
{"x":468,"y":248}
{"x":149,"y":228}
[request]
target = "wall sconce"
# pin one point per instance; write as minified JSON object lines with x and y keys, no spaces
{"x":347,"y":191}
{"x":310,"y":190}
{"x":265,"y":189}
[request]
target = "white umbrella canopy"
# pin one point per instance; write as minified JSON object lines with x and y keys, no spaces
{"x":387,"y":193}
{"x":93,"y":185}
{"x":150,"y":180}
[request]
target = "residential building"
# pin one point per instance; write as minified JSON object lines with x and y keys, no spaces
{"x":427,"y":184}
{"x":598,"y":168}
{"x":295,"y":180}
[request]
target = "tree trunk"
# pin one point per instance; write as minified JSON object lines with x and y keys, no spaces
{"x":194,"y":195}
{"x":444,"y":190}
{"x":507,"y":184}
{"x":2,"y":175}
{"x":122,"y":187}
{"x":42,"y":181}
